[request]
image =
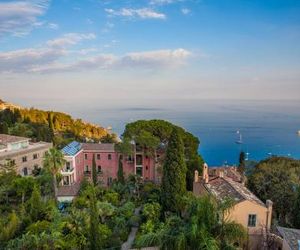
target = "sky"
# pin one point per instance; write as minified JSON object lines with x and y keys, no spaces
{"x":143,"y":52}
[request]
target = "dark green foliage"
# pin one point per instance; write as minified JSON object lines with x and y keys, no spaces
{"x":242,"y":164}
{"x":36,"y":205}
{"x":296,"y":210}
{"x":276,"y":179}
{"x":94,"y":171}
{"x":159,"y":129}
{"x":94,"y":234}
{"x":201,"y":228}
{"x":120,"y":173}
{"x":174,"y":174}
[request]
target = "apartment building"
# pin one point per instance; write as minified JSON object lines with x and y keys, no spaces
{"x":25,"y":155}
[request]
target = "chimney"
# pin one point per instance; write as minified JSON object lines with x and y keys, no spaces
{"x":221,"y":173}
{"x":196,"y":176}
{"x":205,"y":173}
{"x":269,"y":205}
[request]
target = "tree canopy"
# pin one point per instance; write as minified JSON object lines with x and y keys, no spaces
{"x":277,"y":179}
{"x":158,"y":132}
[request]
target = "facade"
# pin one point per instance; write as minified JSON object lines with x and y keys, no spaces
{"x":79,"y":161}
{"x":19,"y":151}
{"x":248,"y":210}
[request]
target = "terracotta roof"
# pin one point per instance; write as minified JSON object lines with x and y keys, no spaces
{"x":105,"y":147}
{"x":5,"y":139}
{"x":69,"y":190}
{"x":223,"y":188}
{"x":229,"y":171}
{"x":291,"y":236}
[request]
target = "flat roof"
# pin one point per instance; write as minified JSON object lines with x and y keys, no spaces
{"x":6,"y":139}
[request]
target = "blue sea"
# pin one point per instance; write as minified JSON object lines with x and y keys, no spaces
{"x":267,"y":127}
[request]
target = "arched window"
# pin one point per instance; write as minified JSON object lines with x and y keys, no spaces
{"x":25,"y":171}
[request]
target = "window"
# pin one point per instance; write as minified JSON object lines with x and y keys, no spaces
{"x":86,"y":169}
{"x":109,"y":156}
{"x":139,"y":171}
{"x":146,"y":167}
{"x":251,"y":220}
{"x":85,"y":156}
{"x":24,"y":158}
{"x":25,"y":171}
{"x":68,"y":165}
{"x":98,"y":156}
{"x":109,"y":181}
{"x":35,"y":156}
{"x":99,"y":169}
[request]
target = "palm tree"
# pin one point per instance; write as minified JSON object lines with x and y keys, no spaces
{"x":53,"y":162}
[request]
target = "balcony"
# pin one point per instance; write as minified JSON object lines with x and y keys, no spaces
{"x":87,"y":173}
{"x":67,"y":170}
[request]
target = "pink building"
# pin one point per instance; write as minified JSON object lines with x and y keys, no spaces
{"x":79,"y":160}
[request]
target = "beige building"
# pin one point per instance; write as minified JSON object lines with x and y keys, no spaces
{"x":248,"y":210}
{"x":22,"y":153}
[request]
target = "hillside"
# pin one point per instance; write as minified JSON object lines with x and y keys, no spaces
{"x":44,"y":125}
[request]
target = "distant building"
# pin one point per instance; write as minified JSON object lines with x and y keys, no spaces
{"x":291,"y":238}
{"x":248,"y":210}
{"x":79,"y":159}
{"x":19,"y":151}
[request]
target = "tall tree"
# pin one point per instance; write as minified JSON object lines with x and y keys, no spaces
{"x":94,"y":235}
{"x":35,"y":205}
{"x":53,"y":162}
{"x":23,"y":185}
{"x":296,"y":210}
{"x":94,"y":171}
{"x":120,"y":173}
{"x":242,"y":164}
{"x":174,"y":174}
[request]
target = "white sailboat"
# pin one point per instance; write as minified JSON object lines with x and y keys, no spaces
{"x":240,"y":140}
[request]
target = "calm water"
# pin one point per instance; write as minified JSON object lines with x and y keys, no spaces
{"x":267,"y":127}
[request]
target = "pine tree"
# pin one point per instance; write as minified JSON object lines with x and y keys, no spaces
{"x":174,"y":174}
{"x":242,"y":164}
{"x":94,"y":235}
{"x":296,"y":210}
{"x":94,"y":171}
{"x":35,"y":205}
{"x":121,"y":178}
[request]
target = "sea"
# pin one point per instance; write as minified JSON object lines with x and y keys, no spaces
{"x":266,"y":127}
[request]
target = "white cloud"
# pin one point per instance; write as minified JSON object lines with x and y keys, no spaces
{"x":163,"y":2}
{"x":19,"y":17}
{"x":185,"y":11}
{"x":144,"y":13}
{"x":26,"y":59}
{"x":53,"y":26}
{"x":47,"y":60}
{"x":70,"y":39}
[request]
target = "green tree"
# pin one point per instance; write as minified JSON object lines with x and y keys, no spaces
{"x":151,"y":130}
{"x":53,"y":162}
{"x":242,"y":164}
{"x":94,"y":171}
{"x":296,"y":210}
{"x":3,"y":128}
{"x":94,"y":234}
{"x":36,"y":205}
{"x":23,"y":185}
{"x":174,"y":174}
{"x":120,"y":173}
{"x":276,"y":179}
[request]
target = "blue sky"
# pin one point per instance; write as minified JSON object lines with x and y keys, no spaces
{"x":138,"y":51}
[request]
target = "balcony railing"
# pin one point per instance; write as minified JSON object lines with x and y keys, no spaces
{"x":68,"y":170}
{"x":87,"y":172}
